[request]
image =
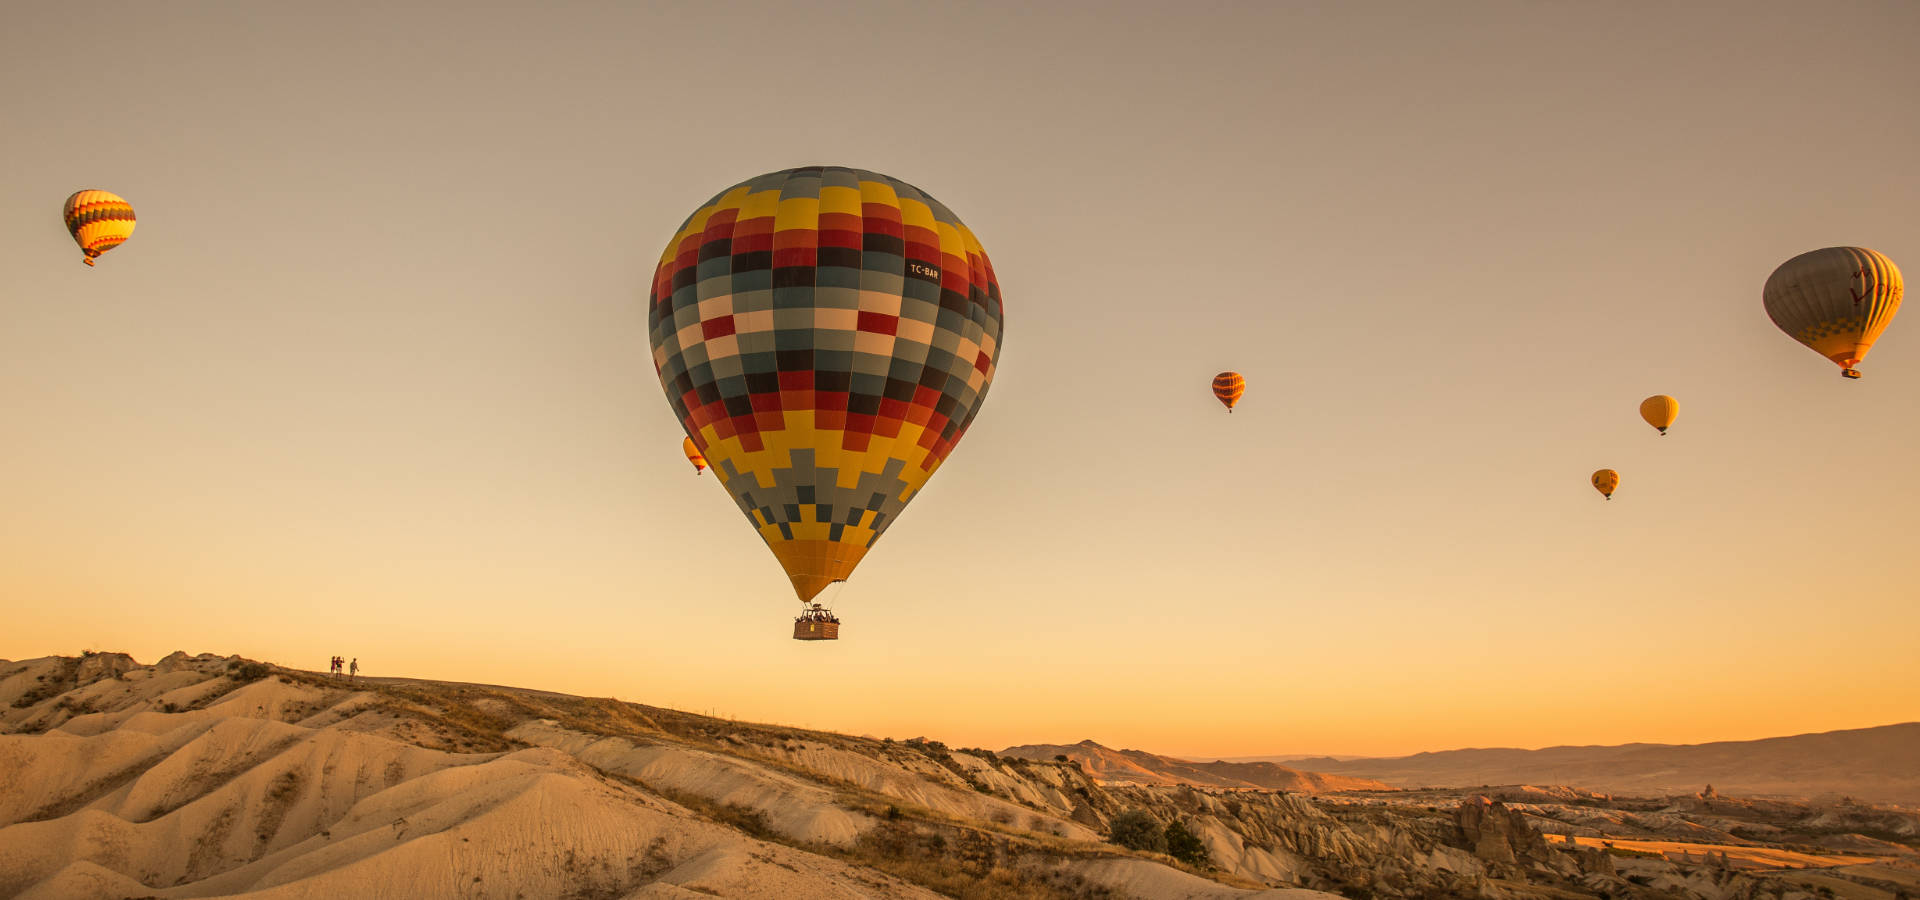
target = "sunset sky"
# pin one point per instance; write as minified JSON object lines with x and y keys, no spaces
{"x":372,"y":376}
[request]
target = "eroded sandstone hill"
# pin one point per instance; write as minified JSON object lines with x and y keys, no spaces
{"x":205,"y":776}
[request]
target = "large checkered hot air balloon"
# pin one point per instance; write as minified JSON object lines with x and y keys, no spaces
{"x":825,"y":336}
{"x":98,"y":220}
{"x":1836,"y":301}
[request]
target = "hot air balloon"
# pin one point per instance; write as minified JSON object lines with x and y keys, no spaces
{"x":1606,"y":481}
{"x":1836,"y":301}
{"x":1227,"y":388}
{"x":1659,"y":410}
{"x":99,"y":221}
{"x":826,"y":336}
{"x":693,"y":455}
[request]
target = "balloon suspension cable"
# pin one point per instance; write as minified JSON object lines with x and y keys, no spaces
{"x":829,"y":596}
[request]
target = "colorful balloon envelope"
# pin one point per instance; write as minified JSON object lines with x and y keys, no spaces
{"x":1606,"y":481}
{"x":826,"y":336}
{"x":1660,"y":410}
{"x":1227,"y":388}
{"x":1836,"y":301}
{"x":99,"y":221}
{"x":693,"y":455}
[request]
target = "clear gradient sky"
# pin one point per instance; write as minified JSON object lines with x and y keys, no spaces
{"x":372,"y":377}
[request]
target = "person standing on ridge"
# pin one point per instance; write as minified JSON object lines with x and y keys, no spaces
{"x":354,"y":672}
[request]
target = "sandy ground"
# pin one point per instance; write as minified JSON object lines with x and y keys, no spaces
{"x":180,"y":783}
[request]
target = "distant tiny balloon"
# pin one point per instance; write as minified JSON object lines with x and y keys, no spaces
{"x":1660,"y":410}
{"x":693,"y":456}
{"x":1227,"y":388}
{"x":1606,"y":481}
{"x":99,"y":221}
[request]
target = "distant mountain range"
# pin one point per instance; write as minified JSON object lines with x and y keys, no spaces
{"x":1878,"y":764}
{"x":1139,"y":767}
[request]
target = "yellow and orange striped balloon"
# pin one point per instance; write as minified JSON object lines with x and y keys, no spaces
{"x":1227,"y":388}
{"x":99,"y":221}
{"x":693,"y":455}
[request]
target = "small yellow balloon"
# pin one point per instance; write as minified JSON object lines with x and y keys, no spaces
{"x":1605,"y":481}
{"x":1660,"y":410}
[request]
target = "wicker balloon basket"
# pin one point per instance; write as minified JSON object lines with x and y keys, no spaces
{"x":816,"y":631}
{"x":816,"y":624}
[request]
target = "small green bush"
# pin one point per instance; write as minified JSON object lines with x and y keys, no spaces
{"x":747,"y":819}
{"x":1137,"y":829}
{"x":247,"y":672}
{"x":1186,"y":846}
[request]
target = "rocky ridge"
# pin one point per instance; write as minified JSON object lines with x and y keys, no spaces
{"x":1140,"y":767}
